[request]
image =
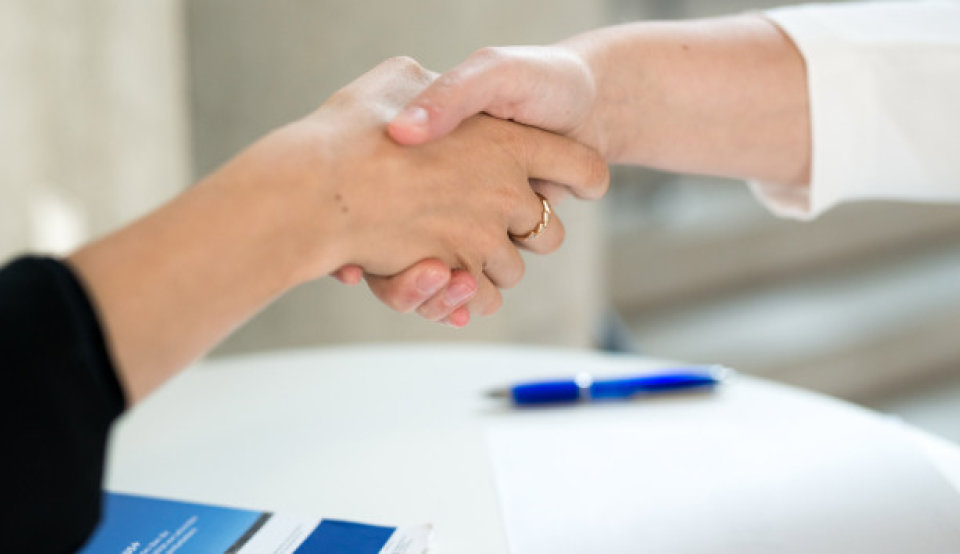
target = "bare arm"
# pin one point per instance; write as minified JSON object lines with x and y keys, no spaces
{"x":328,"y":190}
{"x":721,"y":96}
{"x":725,"y":96}
{"x":175,"y":283}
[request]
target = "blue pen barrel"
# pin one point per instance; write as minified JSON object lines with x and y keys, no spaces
{"x":582,"y":388}
{"x":624,"y":388}
{"x":546,"y":392}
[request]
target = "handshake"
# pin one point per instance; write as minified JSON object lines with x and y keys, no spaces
{"x":436,"y":189}
{"x":429,"y":185}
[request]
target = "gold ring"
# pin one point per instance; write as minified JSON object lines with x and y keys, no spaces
{"x":544,"y":220}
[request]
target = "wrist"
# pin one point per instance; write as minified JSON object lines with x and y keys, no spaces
{"x":282,"y":190}
{"x":723,"y":97}
{"x":605,"y":124}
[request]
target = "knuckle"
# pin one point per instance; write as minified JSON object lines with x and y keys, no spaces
{"x":493,"y":60}
{"x":490,"y":54}
{"x":487,"y":243}
{"x":449,"y":82}
{"x":469,"y":264}
{"x":560,"y":233}
{"x":402,"y":303}
{"x":516,"y":273}
{"x":394,"y":302}
{"x":513,"y":144}
{"x":402,"y":62}
{"x":396,"y":297}
{"x":521,"y":269}
{"x":604,"y":177}
{"x":430,"y":312}
{"x":597,"y":173}
{"x":407,"y":66}
{"x":492,"y":304}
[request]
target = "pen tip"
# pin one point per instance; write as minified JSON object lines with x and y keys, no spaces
{"x":722,"y":373}
{"x":498,"y":393}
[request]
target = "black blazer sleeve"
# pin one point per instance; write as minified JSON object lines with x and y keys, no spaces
{"x":59,"y":395}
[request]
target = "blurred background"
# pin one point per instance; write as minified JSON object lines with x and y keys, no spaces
{"x":109,"y":107}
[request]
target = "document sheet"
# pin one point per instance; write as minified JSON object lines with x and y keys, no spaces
{"x":737,"y":472}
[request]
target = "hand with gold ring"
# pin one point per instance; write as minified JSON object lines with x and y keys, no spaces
{"x":438,"y":293}
{"x":439,"y":290}
{"x":541,"y":226}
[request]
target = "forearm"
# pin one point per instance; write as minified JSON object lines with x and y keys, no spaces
{"x":171,"y":286}
{"x":328,"y":190}
{"x":721,"y":96}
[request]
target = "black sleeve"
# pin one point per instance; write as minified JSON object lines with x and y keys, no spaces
{"x":59,"y":396}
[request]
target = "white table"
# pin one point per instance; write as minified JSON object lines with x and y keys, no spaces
{"x":375,"y":433}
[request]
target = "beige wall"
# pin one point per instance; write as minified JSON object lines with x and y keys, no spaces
{"x":97,"y":96}
{"x":257,"y":64}
{"x":93,"y":117}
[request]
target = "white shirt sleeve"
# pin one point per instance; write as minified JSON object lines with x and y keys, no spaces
{"x":884,"y":86}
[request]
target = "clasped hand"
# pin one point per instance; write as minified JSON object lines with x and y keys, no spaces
{"x":452,"y":203}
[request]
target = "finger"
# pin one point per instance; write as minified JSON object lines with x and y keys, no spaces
{"x":487,"y":300}
{"x":499,"y":81}
{"x":549,"y":239}
{"x":461,"y":288}
{"x":555,"y":193}
{"x":504,"y":266}
{"x":544,"y":86}
{"x":550,"y":157}
{"x":349,"y":274}
{"x":463,"y":91}
{"x":459,"y":318}
{"x":412,"y":287}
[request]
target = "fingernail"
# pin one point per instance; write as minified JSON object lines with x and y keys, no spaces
{"x":414,"y":116}
{"x":430,"y":281}
{"x":458,"y":319}
{"x":458,"y":293}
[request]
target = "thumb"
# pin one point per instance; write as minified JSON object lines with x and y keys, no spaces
{"x":486,"y":79}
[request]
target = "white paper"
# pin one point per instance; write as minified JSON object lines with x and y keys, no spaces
{"x":743,"y":471}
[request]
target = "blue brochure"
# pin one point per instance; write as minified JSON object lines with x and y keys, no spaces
{"x":134,"y":524}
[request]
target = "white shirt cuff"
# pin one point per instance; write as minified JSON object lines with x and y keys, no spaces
{"x":884,"y":88}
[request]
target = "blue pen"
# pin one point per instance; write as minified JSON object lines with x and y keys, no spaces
{"x":585,"y":387}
